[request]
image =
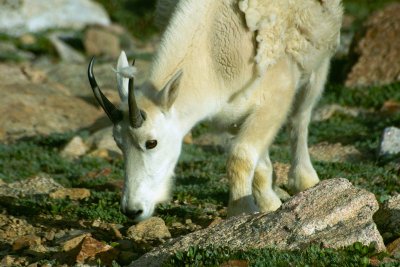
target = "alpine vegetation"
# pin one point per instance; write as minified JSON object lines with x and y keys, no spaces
{"x":247,"y":65}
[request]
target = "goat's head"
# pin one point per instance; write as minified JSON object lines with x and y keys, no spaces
{"x":146,"y":129}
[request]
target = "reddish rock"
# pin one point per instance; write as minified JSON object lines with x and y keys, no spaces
{"x":92,"y":249}
{"x":378,"y":50}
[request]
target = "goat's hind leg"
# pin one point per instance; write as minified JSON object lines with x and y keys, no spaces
{"x":302,"y":174}
{"x":254,"y":139}
{"x":264,"y":195}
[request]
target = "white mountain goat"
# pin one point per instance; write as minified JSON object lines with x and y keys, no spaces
{"x":247,"y":65}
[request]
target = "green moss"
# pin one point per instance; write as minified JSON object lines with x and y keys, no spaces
{"x":369,"y":97}
{"x":314,"y":255}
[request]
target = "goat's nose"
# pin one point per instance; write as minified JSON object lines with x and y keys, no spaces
{"x":133,"y":214}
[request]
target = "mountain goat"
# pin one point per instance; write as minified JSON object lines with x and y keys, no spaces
{"x":247,"y":65}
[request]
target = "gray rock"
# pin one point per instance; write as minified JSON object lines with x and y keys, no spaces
{"x":390,"y":143}
{"x":35,"y":186}
{"x":333,"y":213}
{"x":388,"y":218}
{"x":21,"y":16}
{"x":335,"y":152}
{"x":75,"y":148}
{"x":153,"y":229}
{"x":40,"y":109}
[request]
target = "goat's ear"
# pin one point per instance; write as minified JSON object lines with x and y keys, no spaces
{"x":121,"y":80}
{"x":169,"y":93}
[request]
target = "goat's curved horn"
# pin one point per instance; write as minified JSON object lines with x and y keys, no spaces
{"x":135,"y":115}
{"x":112,"y":112}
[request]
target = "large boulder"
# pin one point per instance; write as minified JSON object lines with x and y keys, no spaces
{"x":21,"y":16}
{"x":333,"y":213}
{"x":31,"y":108}
{"x":379,"y":50}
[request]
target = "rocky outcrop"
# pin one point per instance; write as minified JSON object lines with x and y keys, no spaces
{"x":333,"y":213}
{"x":379,"y":50}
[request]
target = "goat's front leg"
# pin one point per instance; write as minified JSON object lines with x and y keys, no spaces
{"x":302,"y":174}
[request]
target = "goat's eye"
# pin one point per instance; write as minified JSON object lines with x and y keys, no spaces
{"x":151,"y":144}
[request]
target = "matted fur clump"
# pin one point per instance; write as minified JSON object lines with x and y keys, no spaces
{"x":297,"y":28}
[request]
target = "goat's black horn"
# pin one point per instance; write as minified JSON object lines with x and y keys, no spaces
{"x":135,"y":115}
{"x":112,"y":112}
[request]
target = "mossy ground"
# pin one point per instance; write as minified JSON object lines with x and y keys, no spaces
{"x":200,"y":177}
{"x":200,"y":180}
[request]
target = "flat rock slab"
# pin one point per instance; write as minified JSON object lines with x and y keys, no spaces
{"x":334,"y":213}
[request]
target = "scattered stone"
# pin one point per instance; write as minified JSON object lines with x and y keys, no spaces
{"x":335,"y":153}
{"x":37,"y":251}
{"x":8,"y":260}
{"x":71,"y":193}
{"x":388,"y":218}
{"x":75,"y":148}
{"x":19,"y":17}
{"x":11,"y":228}
{"x":26,"y":242}
{"x":101,"y":41}
{"x":378,"y":50}
{"x":390,"y":142}
{"x":92,"y":249}
{"x":333,"y":213}
{"x":40,"y":185}
{"x":153,"y":229}
{"x":66,"y":52}
{"x":49,"y":235}
{"x":74,"y":242}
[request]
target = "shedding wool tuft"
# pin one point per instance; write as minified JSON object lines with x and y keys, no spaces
{"x":300,"y":29}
